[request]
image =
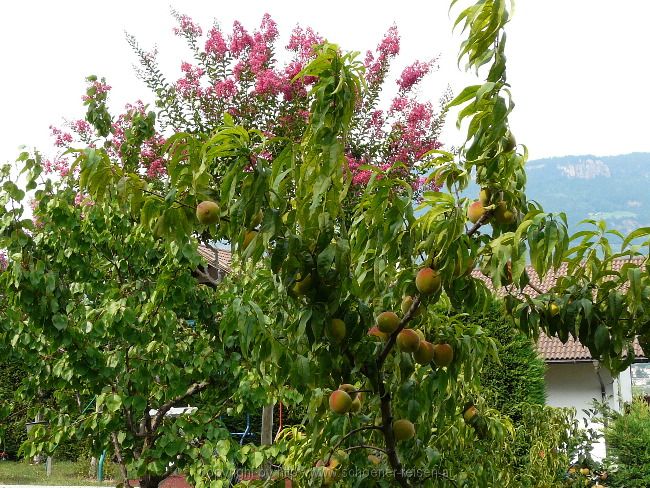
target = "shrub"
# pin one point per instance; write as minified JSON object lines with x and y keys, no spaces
{"x":628,"y":441}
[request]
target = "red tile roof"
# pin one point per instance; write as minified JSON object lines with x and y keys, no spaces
{"x":551,"y":348}
{"x":217,"y":257}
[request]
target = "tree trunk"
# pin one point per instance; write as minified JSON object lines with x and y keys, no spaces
{"x":267,"y":425}
{"x":267,"y":437}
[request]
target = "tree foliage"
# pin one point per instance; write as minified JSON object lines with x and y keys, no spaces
{"x":99,"y":296}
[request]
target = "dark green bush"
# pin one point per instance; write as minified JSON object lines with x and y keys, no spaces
{"x":628,"y":442}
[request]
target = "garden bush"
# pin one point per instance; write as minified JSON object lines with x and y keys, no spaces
{"x":628,"y":442}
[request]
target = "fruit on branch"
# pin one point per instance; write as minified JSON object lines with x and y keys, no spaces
{"x":374,"y":459}
{"x":484,"y":196}
{"x":340,"y":402}
{"x":403,"y":429}
{"x":408,"y":340}
{"x":336,"y":330}
{"x":349,"y":389}
{"x":510,"y":142}
{"x":248,"y":237}
{"x":329,"y":476}
{"x":420,"y":334}
{"x":470,"y":413}
{"x":357,"y":403}
{"x":443,"y":355}
{"x":375,"y":332}
{"x":584,"y":471}
{"x":388,"y":322}
{"x":302,"y":286}
{"x":503,"y":215}
{"x":475,"y":211}
{"x":338,"y":458}
{"x":207,"y":212}
{"x":553,"y":309}
{"x":428,"y":281}
{"x":425,"y":353}
{"x":407,"y":301}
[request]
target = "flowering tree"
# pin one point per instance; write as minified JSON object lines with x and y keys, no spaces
{"x":346,"y":295}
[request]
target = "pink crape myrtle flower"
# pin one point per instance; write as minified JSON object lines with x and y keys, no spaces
{"x":225,"y":88}
{"x":268,"y":83}
{"x":62,"y":139}
{"x":302,"y":42}
{"x":216,"y":45}
{"x":413,"y":74}
{"x":81,"y":199}
{"x":240,"y":39}
{"x":4,"y":262}
{"x":100,"y":88}
{"x":187,"y":27}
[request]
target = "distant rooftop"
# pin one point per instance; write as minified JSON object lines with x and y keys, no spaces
{"x":551,"y":348}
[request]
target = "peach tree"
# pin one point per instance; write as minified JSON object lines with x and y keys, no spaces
{"x":350,"y":293}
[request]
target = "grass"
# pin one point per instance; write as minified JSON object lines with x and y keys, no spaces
{"x":63,"y":473}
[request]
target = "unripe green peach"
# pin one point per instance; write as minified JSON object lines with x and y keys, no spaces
{"x":374,"y":459}
{"x":302,"y":286}
{"x":340,"y":402}
{"x":443,"y":354}
{"x":425,"y":353}
{"x":407,"y":301}
{"x":484,"y":196}
{"x":503,"y":215}
{"x":554,"y":309}
{"x":408,"y":340}
{"x":387,"y":322}
{"x":207,"y":212}
{"x":357,"y":403}
{"x":420,"y":334}
{"x":428,"y":281}
{"x":336,"y":330}
{"x":403,"y":429}
{"x":475,"y":211}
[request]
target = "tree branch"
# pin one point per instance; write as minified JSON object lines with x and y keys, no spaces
{"x":393,"y":337}
{"x":346,"y":436}
{"x":364,"y":446}
{"x":195,"y":388}
{"x":120,"y":460}
{"x":481,"y":221}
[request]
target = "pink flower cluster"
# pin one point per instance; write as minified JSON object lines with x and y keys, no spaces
{"x":56,"y":165}
{"x":81,"y":127}
{"x":302,"y":42}
{"x":215,"y":45}
{"x":413,"y":74}
{"x":4,"y":263}
{"x":414,"y":128}
{"x":190,"y":85}
{"x":361,"y":177}
{"x":99,"y":88}
{"x":81,"y":199}
{"x":62,"y":139}
{"x":186,"y":26}
{"x":377,"y":64}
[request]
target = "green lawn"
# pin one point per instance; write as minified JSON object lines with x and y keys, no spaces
{"x":63,"y":473}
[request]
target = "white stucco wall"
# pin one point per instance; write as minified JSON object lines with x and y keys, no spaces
{"x":576,"y":385}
